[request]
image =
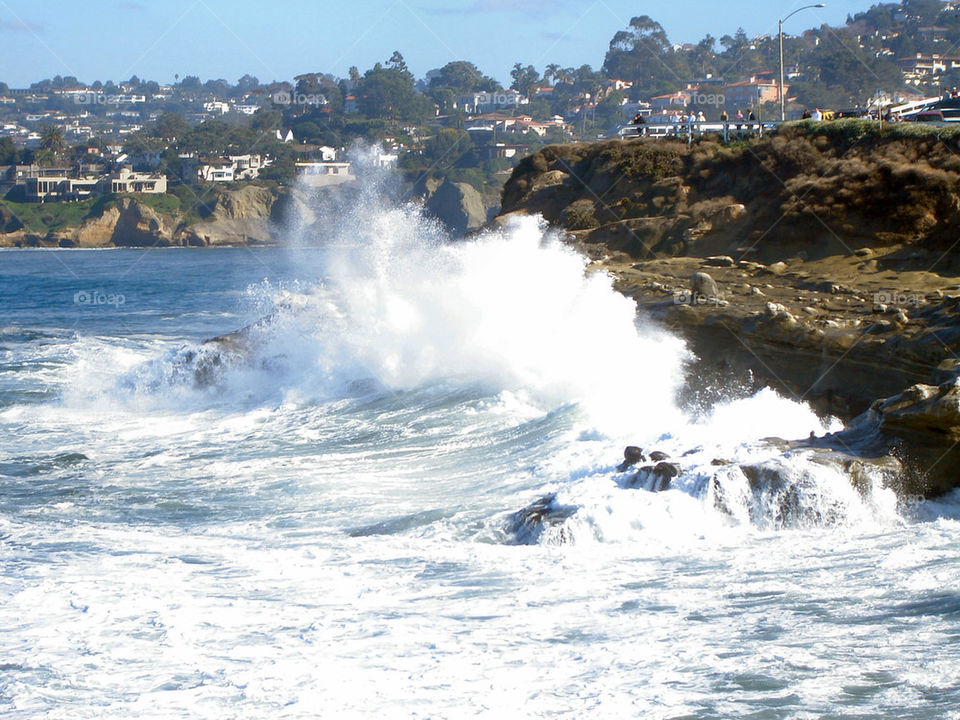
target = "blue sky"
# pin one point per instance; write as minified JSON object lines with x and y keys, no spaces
{"x":156,"y":40}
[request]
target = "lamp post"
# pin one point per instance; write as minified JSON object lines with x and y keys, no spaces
{"x":783,"y":109}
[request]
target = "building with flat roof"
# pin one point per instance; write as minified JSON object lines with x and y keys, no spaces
{"x":128,"y":181}
{"x":319,"y":174}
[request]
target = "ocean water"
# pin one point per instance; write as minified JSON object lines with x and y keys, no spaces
{"x":323,"y":517}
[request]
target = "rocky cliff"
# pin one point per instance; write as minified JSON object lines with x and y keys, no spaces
{"x":822,"y":261}
{"x":239,"y":215}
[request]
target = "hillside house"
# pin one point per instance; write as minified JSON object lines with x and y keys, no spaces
{"x":321,"y":174}
{"x":129,"y":181}
{"x":751,"y":93}
{"x":216,"y":171}
{"x":921,"y":68}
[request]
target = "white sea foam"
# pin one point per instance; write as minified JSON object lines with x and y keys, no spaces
{"x":319,"y":528}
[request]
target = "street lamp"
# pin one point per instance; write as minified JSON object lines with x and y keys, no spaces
{"x":783,"y":109}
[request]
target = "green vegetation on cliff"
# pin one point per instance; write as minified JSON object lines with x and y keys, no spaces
{"x":820,"y":188}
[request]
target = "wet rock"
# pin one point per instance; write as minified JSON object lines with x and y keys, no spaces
{"x":527,"y":526}
{"x":785,"y":494}
{"x":702,"y":285}
{"x":947,"y":371}
{"x":663,"y":473}
{"x":776,"y":311}
{"x":719,"y":261}
{"x":654,"y":478}
{"x":631,"y":456}
{"x":922,"y":424}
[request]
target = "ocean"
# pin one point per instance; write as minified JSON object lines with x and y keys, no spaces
{"x":323,"y":515}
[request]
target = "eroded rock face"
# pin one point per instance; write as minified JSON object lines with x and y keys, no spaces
{"x":922,"y":424}
{"x":98,"y":231}
{"x":139,"y":225}
{"x":458,"y":205}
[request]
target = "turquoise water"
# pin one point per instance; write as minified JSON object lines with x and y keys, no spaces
{"x":321,"y":525}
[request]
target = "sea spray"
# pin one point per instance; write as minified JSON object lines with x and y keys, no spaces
{"x":391,"y":306}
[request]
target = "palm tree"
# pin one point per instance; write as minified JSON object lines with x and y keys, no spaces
{"x":550,"y":74}
{"x":51,"y":138}
{"x":45,"y":158}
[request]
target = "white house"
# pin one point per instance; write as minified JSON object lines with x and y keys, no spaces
{"x":327,"y":153}
{"x":216,"y":171}
{"x":247,"y":167}
{"x":320,"y":174}
{"x":217,"y":107}
{"x":128,"y":181}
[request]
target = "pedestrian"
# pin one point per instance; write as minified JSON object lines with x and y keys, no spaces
{"x":806,"y":114}
{"x":724,"y":117}
{"x":817,"y":115}
{"x":752,"y":117}
{"x":701,"y":117}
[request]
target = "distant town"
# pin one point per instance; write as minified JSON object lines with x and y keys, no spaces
{"x":64,"y":140}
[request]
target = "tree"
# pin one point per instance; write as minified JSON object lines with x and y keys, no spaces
{"x":524,"y":78}
{"x":218,"y":88}
{"x":191,"y":84}
{"x":320,"y":86}
{"x":45,"y":158}
{"x":170,"y":126}
{"x":396,"y":62}
{"x":447,"y":147}
{"x":463,"y":77}
{"x":51,"y":139}
{"x":643,"y":54}
{"x":248,"y":83}
{"x":389,"y":93}
{"x":8,"y":152}
{"x":265,"y":120}
{"x":736,"y":44}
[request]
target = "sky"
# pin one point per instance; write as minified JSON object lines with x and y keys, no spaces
{"x":162,"y":39}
